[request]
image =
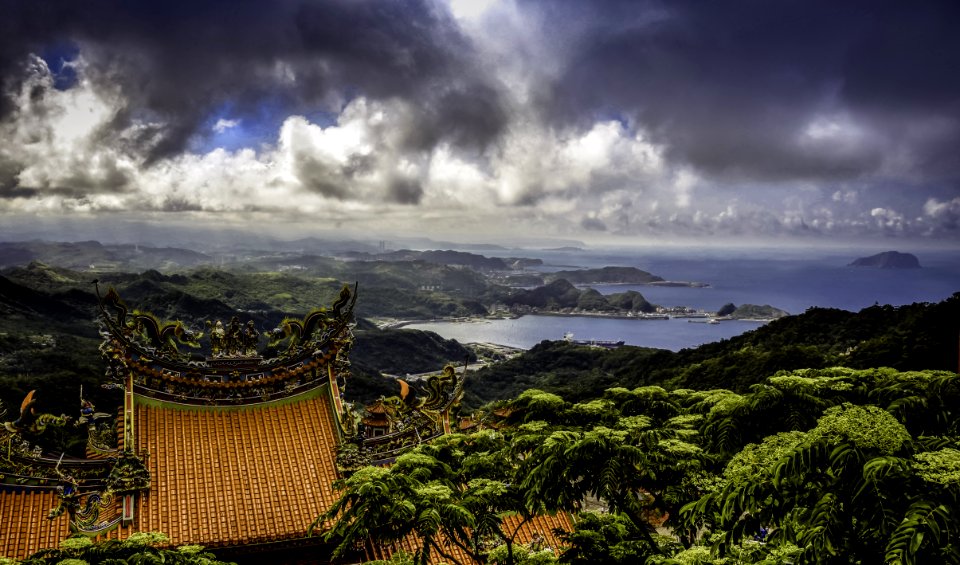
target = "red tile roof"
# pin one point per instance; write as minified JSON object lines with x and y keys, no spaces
{"x":24,"y":527}
{"x":230,"y":476}
{"x":543,"y":525}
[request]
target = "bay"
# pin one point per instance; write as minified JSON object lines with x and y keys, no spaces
{"x":525,"y":332}
{"x":793,"y":280}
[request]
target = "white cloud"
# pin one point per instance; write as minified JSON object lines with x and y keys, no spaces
{"x":888,"y":219}
{"x":845,"y":196}
{"x":470,"y":9}
{"x":223,"y":125}
{"x":54,"y":137}
{"x":943,"y":216}
{"x":683,"y":187}
{"x":832,"y":129}
{"x":937,"y":209}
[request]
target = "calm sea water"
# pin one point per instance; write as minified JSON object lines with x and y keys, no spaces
{"x":793,"y":281}
{"x":525,"y":332}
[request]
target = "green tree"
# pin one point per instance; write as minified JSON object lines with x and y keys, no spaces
{"x":604,"y":538}
{"x":638,"y":465}
{"x":456,"y":490}
{"x":857,"y":488}
{"x":140,"y":548}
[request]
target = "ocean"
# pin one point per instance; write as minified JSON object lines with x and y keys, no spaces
{"x":790,"y":280}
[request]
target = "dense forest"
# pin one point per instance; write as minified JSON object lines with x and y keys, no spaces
{"x":829,"y":465}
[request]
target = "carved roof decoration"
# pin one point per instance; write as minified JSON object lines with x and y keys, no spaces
{"x":313,"y":349}
{"x":44,"y":487}
{"x":390,"y":426}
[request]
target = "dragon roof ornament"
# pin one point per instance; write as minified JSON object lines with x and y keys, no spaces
{"x":85,"y":487}
{"x":234,"y":371}
{"x":405,"y":421}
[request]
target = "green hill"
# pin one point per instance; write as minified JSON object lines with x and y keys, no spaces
{"x":560,"y":294}
{"x":912,"y":337}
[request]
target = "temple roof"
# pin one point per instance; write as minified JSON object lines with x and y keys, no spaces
{"x":227,"y":450}
{"x":24,"y":527}
{"x":246,"y":475}
{"x":221,"y":476}
{"x":378,"y":407}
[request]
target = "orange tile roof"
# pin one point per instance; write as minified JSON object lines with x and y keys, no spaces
{"x":544,"y":525}
{"x":236,"y":475}
{"x":225,"y":476}
{"x":24,"y":527}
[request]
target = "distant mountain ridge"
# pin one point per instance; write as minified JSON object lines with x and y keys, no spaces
{"x":26,"y":309}
{"x":448,"y":257}
{"x":41,"y":300}
{"x":87,"y":254}
{"x":888,"y":260}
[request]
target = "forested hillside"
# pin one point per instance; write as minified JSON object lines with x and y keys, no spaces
{"x":912,"y":337}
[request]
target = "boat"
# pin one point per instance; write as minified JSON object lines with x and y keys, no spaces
{"x":605,"y":343}
{"x":653,"y":317}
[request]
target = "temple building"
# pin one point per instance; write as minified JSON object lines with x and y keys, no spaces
{"x":227,"y":450}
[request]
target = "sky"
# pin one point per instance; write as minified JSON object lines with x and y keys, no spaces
{"x":610,"y":121}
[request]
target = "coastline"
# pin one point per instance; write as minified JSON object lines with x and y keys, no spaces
{"x":614,"y":316}
{"x":687,"y":284}
{"x":692,"y":317}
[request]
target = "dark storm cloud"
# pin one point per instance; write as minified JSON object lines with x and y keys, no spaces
{"x":732,"y":87}
{"x":320,"y":177}
{"x":179,"y":204}
{"x":468,"y":115}
{"x":8,"y":179}
{"x":17,"y":192}
{"x":405,"y":191}
{"x":593,"y":224}
{"x":176,"y":63}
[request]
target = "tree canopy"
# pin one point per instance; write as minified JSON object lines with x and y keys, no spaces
{"x":829,"y":465}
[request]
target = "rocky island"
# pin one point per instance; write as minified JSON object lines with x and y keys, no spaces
{"x":888,"y":260}
{"x":607,"y":275}
{"x":751,"y":312}
{"x":615,"y":275}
